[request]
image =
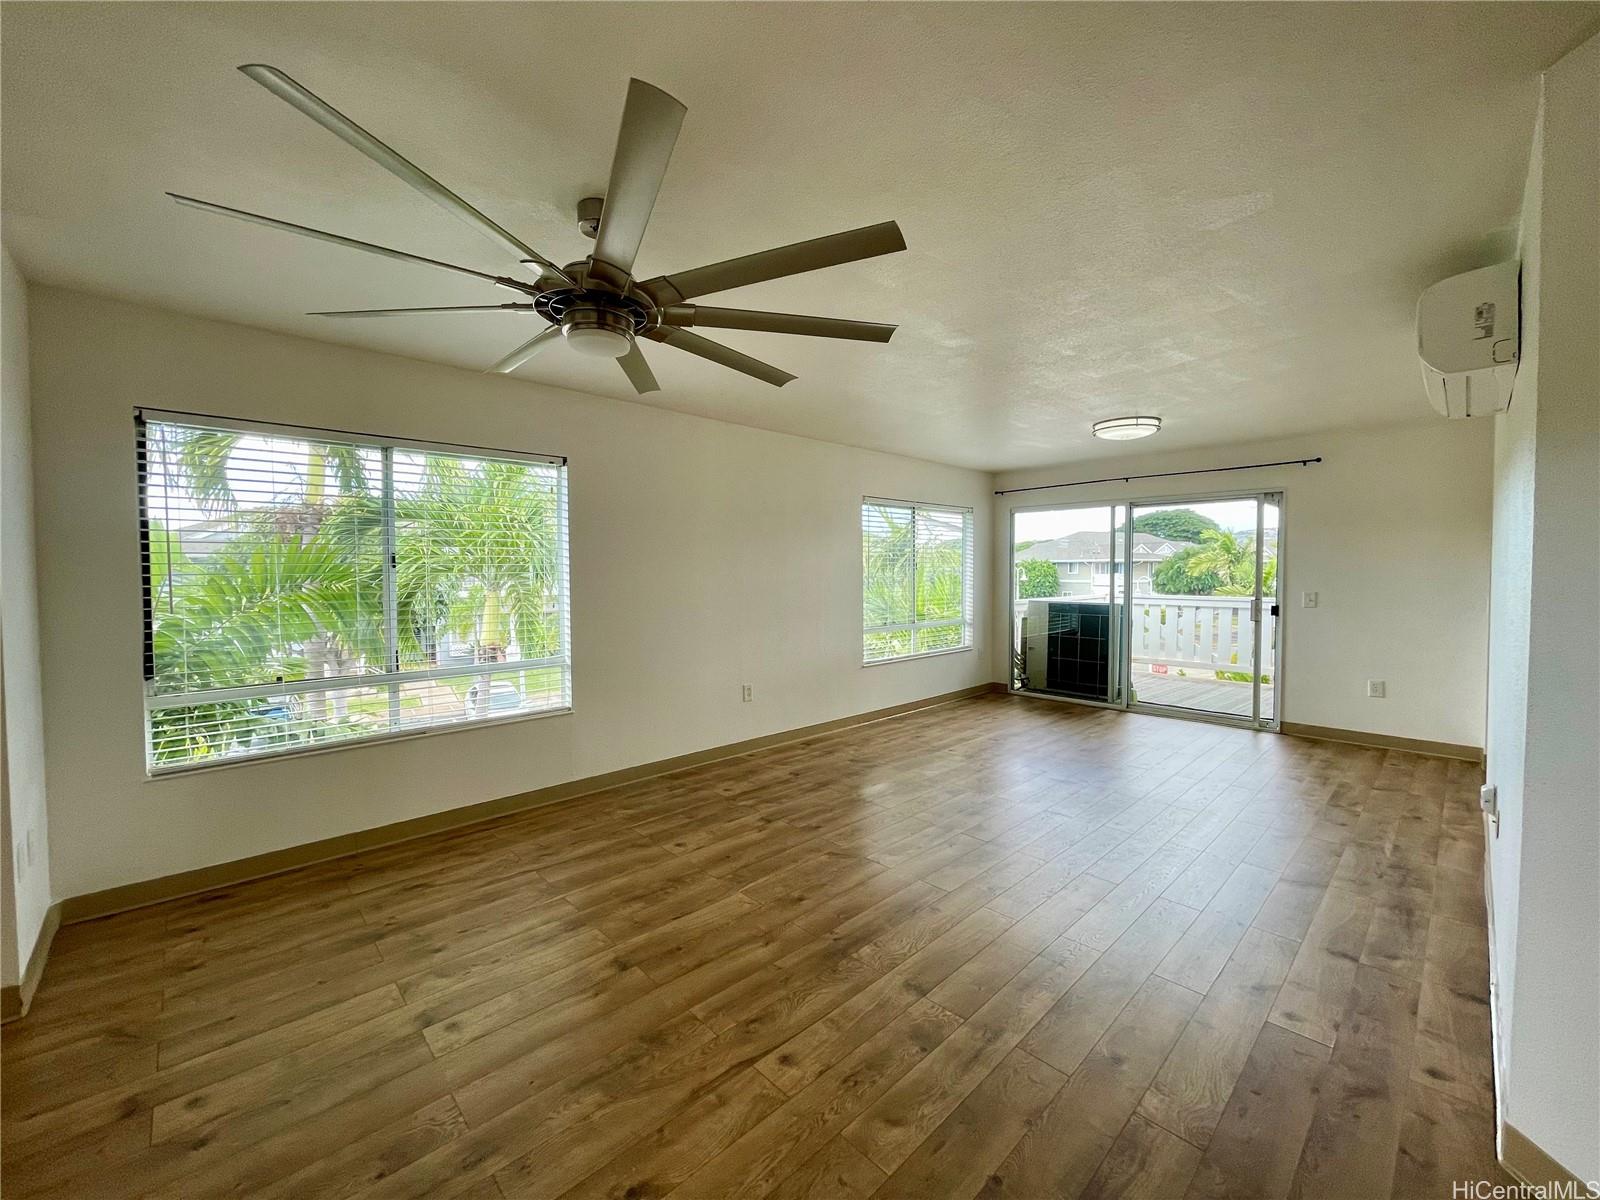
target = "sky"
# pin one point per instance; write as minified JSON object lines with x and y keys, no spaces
{"x":1037,"y":525}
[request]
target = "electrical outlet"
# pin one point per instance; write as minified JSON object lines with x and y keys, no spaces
{"x":1375,"y":689}
{"x":747,"y":693}
{"x":1308,"y":599}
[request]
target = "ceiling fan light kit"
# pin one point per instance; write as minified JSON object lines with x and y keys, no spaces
{"x":1126,"y":429}
{"x":595,"y":305}
{"x":598,"y":333}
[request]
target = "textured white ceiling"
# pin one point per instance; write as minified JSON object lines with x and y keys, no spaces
{"x":1218,"y":214}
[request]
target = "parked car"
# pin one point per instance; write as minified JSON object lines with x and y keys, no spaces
{"x":503,"y":698}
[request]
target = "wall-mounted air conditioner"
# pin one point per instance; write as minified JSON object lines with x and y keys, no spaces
{"x":1467,"y":337}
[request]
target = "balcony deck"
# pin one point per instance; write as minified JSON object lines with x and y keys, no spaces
{"x":1207,"y":695}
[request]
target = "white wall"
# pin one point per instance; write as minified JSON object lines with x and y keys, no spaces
{"x":27,"y":884}
{"x":1544,"y":698}
{"x":1511,"y":601}
{"x":704,"y":555}
{"x":1391,"y":530}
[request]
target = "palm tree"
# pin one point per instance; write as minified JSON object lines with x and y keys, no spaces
{"x":1232,"y":561}
{"x":907,"y":578}
{"x":203,"y":456}
{"x":1175,"y":576}
{"x":941,"y":592}
{"x":290,"y":593}
{"x":232,"y":619}
{"x":204,"y":459}
{"x":478,"y":558}
{"x":887,"y":542}
{"x":1229,"y":558}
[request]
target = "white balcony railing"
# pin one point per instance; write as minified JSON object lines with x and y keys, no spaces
{"x":1214,"y":632}
{"x":1188,"y":633}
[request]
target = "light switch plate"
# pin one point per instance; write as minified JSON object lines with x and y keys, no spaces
{"x":1308,"y":599}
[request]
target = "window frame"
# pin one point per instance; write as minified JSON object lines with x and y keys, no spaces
{"x":386,"y":446}
{"x":968,"y":588}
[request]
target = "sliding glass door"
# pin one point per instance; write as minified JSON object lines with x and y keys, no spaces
{"x":1163,"y":605}
{"x":1202,"y":620}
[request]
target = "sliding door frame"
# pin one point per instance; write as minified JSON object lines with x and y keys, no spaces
{"x":1122,"y":669}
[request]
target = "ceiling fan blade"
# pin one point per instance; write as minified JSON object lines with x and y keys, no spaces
{"x":720,"y":354}
{"x":685,"y":315}
{"x":526,"y":351}
{"x":340,"y":240}
{"x":335,"y":122}
{"x":443,"y":308}
{"x":638,"y":371}
{"x":866,"y":242}
{"x":650,"y":123}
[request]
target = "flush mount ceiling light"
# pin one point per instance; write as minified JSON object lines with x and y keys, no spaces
{"x":1125,"y":429}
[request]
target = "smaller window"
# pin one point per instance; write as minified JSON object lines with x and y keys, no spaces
{"x":916,"y":577}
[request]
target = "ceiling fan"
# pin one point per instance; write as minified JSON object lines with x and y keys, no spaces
{"x":596,"y":305}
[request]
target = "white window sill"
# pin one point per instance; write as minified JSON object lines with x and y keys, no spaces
{"x":900,"y":658}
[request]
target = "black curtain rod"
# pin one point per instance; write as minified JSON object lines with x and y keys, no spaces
{"x":1045,"y":487}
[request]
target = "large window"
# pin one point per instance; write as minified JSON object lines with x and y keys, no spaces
{"x":304,"y":588}
{"x":916,"y":574}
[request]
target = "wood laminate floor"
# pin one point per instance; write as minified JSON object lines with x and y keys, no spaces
{"x":1001,"y":949}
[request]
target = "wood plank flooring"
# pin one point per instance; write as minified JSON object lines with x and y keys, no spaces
{"x":1002,"y":949}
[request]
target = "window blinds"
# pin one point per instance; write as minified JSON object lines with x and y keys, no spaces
{"x":916,"y":571}
{"x":304,"y":588}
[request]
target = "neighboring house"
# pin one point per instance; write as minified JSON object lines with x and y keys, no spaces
{"x":1083,"y":560}
{"x":199,"y":539}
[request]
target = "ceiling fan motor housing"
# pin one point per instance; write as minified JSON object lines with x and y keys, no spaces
{"x":594,"y":308}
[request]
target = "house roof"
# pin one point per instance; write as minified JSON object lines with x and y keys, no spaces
{"x":1089,"y":546}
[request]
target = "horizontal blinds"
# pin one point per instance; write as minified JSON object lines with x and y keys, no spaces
{"x":303,"y":589}
{"x":265,"y":558}
{"x":916,"y":579}
{"x":375,"y":441}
